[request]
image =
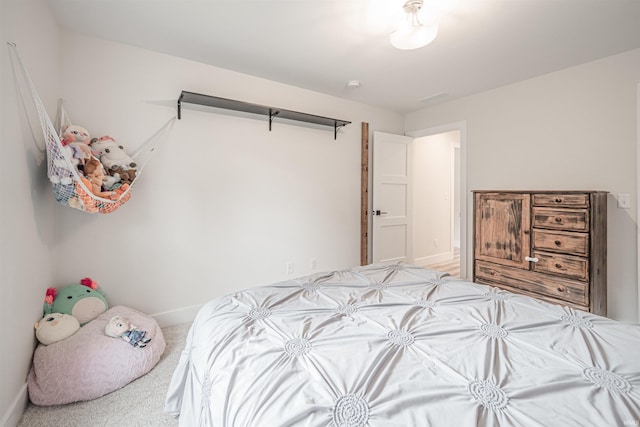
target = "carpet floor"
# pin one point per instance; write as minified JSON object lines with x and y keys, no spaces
{"x":138,"y":404}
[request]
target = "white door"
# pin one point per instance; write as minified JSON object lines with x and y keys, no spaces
{"x":392,"y":231}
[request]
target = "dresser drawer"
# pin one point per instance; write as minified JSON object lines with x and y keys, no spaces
{"x":568,"y":266}
{"x":537,"y":283}
{"x":534,"y":295}
{"x":558,"y":241}
{"x":563,"y":219}
{"x":562,"y":200}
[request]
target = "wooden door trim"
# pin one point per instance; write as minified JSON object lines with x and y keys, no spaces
{"x":364,"y":195}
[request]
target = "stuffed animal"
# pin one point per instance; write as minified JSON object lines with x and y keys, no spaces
{"x":55,"y":327}
{"x":111,"y":154}
{"x":119,"y":327}
{"x":62,"y":192}
{"x":94,"y":174}
{"x":93,"y":165}
{"x":112,"y":181}
{"x":75,"y":140}
{"x":126,"y":175}
{"x":122,"y":198}
{"x":83,"y":200}
{"x":84,"y":301}
{"x":75,"y":133}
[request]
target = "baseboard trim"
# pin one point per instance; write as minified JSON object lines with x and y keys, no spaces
{"x":175,"y":317}
{"x":15,"y":411}
{"x":434,"y":259}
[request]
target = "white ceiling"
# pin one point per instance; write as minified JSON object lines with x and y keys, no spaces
{"x":323,"y":44}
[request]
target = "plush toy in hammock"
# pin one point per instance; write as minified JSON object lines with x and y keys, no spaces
{"x":75,"y":140}
{"x":94,"y":179}
{"x":84,"y":301}
{"x":111,"y":154}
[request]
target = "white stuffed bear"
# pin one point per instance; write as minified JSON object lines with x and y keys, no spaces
{"x":111,"y":154}
{"x":55,"y":327}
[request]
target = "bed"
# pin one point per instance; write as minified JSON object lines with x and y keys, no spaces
{"x":399,"y":345}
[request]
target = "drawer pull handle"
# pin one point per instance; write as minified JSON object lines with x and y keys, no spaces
{"x":558,"y":242}
{"x":558,"y":219}
{"x":531,"y":259}
{"x":560,"y":289}
{"x":558,"y":266}
{"x":558,"y":200}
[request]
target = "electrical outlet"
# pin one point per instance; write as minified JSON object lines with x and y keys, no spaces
{"x":624,"y":201}
{"x":313,"y":263}
{"x":290,"y":267}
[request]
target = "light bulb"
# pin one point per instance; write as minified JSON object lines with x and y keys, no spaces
{"x":413,"y":37}
{"x":412,"y":34}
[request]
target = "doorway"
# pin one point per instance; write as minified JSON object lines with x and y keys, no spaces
{"x":460,"y":188}
{"x":447,"y":200}
{"x":436,"y":202}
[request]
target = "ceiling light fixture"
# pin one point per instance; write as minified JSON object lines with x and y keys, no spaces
{"x":411,"y":34}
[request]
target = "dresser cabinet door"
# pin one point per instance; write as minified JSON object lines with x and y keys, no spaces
{"x":503,"y":224}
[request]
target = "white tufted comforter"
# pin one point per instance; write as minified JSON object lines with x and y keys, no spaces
{"x":397,"y":345}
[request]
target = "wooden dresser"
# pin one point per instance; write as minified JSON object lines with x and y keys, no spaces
{"x":551,"y":245}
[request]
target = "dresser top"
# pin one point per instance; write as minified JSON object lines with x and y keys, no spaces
{"x":540,"y":191}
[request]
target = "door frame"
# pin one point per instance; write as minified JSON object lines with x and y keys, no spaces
{"x":638,"y":196}
{"x":364,"y":194}
{"x":464,"y":197}
{"x":365,"y":224}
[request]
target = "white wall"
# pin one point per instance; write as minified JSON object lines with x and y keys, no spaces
{"x":573,"y":129}
{"x":26,"y":206}
{"x":223,"y":204}
{"x":433,"y":174}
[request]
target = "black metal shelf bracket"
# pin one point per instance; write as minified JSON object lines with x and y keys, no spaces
{"x":272,"y":115}
{"x":271,"y":112}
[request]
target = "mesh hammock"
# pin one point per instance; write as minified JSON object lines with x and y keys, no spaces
{"x":70,"y":187}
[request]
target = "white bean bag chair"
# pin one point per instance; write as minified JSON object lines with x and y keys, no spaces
{"x":90,"y":364}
